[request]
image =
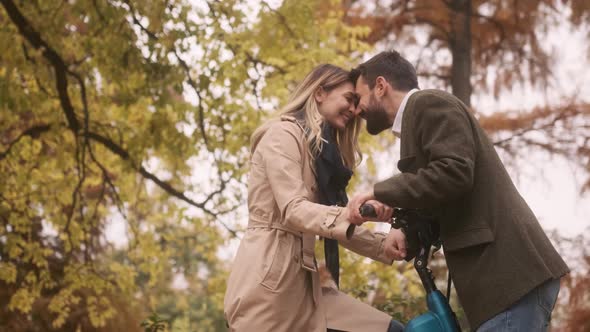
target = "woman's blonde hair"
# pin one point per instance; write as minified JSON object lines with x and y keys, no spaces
{"x":303,"y":106}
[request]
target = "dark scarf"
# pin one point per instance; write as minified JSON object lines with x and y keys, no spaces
{"x":332,"y":177}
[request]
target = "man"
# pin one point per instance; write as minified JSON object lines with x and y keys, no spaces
{"x":504,"y":267}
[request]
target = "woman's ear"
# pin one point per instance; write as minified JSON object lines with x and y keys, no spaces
{"x":320,"y":95}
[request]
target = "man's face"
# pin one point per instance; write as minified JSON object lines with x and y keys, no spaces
{"x":371,"y":109}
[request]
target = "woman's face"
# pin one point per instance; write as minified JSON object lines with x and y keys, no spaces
{"x":338,"y":106}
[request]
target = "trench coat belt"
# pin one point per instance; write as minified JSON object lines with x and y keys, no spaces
{"x":307,"y":250}
{"x":308,"y":261}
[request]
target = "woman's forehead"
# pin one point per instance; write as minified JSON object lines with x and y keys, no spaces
{"x":346,"y":87}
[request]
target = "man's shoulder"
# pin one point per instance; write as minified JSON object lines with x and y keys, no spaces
{"x":436,"y":99}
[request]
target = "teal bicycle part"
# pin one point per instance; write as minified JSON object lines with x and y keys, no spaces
{"x":422,"y":235}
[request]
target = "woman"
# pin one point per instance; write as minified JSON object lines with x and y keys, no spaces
{"x":274,"y":283}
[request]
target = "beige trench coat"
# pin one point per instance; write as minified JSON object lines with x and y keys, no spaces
{"x":274,"y":284}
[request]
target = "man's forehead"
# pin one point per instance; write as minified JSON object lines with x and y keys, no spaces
{"x":361,"y":85}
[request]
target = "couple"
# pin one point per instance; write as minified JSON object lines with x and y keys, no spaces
{"x":505,"y":270}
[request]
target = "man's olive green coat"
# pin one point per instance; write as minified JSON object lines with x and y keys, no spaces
{"x":494,"y":246}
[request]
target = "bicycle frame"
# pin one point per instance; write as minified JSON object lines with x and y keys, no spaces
{"x":422,"y":234}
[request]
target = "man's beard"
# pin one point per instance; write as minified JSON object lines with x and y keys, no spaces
{"x":376,"y":117}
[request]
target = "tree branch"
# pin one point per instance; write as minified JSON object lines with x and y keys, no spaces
{"x":60,"y":68}
{"x":33,"y":132}
{"x":185,"y":67}
{"x":61,"y":72}
{"x":121,"y":152}
{"x":283,"y":20}
{"x":444,"y":77}
{"x":560,"y":116}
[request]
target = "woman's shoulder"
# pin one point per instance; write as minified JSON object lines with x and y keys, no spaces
{"x":277,"y":128}
{"x":286,"y":124}
{"x":291,"y":124}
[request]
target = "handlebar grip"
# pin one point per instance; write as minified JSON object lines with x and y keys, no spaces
{"x":367,"y":210}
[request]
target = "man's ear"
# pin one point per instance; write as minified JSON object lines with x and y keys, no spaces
{"x":320,"y":95}
{"x":381,"y":85}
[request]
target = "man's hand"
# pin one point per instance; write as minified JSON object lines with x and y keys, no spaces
{"x":383,"y":211}
{"x":395,"y":244}
{"x":354,"y":204}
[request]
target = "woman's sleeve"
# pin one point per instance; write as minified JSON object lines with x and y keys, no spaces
{"x":281,"y":157}
{"x":368,"y":243}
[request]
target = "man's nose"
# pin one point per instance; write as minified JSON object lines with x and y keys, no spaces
{"x":354,"y":110}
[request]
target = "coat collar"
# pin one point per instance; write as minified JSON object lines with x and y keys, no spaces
{"x":397,"y":123}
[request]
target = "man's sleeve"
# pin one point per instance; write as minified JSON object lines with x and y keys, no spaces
{"x":444,"y":134}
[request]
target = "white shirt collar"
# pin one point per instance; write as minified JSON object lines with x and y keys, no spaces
{"x":397,"y":123}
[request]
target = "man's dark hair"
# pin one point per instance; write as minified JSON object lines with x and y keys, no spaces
{"x":398,"y":71}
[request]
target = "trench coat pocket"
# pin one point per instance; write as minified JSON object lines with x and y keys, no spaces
{"x":407,"y":164}
{"x":467,"y":238}
{"x":275,"y":269}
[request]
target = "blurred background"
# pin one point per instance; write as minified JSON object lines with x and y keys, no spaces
{"x":125,"y":124}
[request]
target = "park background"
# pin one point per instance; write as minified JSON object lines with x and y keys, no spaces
{"x":124,"y":130}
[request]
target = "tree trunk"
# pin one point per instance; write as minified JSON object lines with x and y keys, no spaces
{"x":460,"y":45}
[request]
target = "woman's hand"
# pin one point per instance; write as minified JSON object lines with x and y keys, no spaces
{"x":395,"y":245}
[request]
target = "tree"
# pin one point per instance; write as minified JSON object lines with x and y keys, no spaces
{"x":136,"y":113}
{"x":86,"y":101}
{"x":489,"y":46}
